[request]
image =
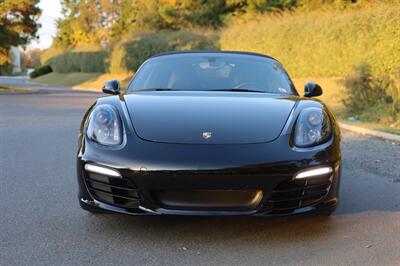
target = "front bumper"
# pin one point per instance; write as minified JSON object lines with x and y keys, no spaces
{"x":156,"y":169}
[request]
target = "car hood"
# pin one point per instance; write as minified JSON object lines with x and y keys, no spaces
{"x":208,"y":118}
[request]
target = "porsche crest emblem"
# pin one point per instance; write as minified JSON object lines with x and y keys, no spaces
{"x":207,"y":135}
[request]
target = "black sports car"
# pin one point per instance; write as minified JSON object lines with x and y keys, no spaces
{"x":209,"y":133}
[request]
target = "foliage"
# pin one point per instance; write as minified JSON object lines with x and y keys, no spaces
{"x":308,"y":5}
{"x":372,"y":96}
{"x":196,"y":13}
{"x":85,"y":22}
{"x":17,"y":25}
{"x":72,"y":61}
{"x":322,"y":43}
{"x":49,"y":53}
{"x":30,"y":58}
{"x":6,"y":69}
{"x":106,"y":21}
{"x":269,"y":5}
{"x":313,"y":41}
{"x":40,"y":71}
{"x":128,"y":55}
{"x":363,"y":89}
{"x":392,"y":85}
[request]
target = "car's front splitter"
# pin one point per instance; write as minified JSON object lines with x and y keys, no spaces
{"x":141,"y":211}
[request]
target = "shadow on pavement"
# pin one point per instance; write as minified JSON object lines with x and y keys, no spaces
{"x":219,"y":228}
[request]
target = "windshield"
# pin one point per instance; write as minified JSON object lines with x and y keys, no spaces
{"x":212,"y":72}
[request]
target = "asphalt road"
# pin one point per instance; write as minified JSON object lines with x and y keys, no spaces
{"x":41,"y":222}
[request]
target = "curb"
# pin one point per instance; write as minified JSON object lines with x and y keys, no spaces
{"x":375,"y":133}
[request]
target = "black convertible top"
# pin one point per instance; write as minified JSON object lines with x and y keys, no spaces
{"x":213,"y":51}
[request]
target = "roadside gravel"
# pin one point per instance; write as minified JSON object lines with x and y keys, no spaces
{"x":377,"y":156}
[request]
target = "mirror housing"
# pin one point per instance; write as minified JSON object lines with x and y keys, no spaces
{"x":112,"y":87}
{"x":312,"y":89}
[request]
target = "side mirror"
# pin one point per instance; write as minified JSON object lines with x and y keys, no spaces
{"x":112,"y":87}
{"x":312,"y":89}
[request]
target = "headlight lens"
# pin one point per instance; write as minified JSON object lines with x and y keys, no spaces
{"x":105,"y":126}
{"x":313,"y":127}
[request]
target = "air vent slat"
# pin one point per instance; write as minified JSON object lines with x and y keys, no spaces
{"x":114,"y":195}
{"x":293,"y":194}
{"x":320,"y":194}
{"x":108,"y":185}
{"x":117,"y":191}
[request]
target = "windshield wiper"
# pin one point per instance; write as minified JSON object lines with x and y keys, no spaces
{"x":240,"y":90}
{"x":155,"y":89}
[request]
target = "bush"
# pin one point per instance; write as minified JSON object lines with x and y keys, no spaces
{"x":40,"y":71}
{"x":363,"y":90}
{"x":372,"y":96}
{"x":71,"y":61}
{"x":323,"y":43}
{"x":392,"y":84}
{"x":6,"y":69}
{"x":49,"y":53}
{"x":128,"y":55}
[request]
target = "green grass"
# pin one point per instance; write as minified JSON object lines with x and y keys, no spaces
{"x":66,"y":79}
{"x":323,"y":43}
{"x":79,"y":80}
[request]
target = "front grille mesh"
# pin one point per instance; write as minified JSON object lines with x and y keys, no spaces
{"x":113,"y":190}
{"x":293,"y":194}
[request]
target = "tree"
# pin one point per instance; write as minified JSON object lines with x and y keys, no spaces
{"x":18,"y":25}
{"x":106,"y":21}
{"x":86,"y":22}
{"x":30,"y":58}
{"x":196,"y":13}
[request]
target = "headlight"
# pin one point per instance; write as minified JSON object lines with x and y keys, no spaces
{"x":313,"y":127}
{"x":105,"y":126}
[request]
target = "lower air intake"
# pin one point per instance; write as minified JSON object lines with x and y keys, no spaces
{"x":232,"y":200}
{"x":299,"y":193}
{"x":116,"y":191}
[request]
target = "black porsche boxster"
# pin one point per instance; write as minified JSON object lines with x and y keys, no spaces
{"x":209,"y":133}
